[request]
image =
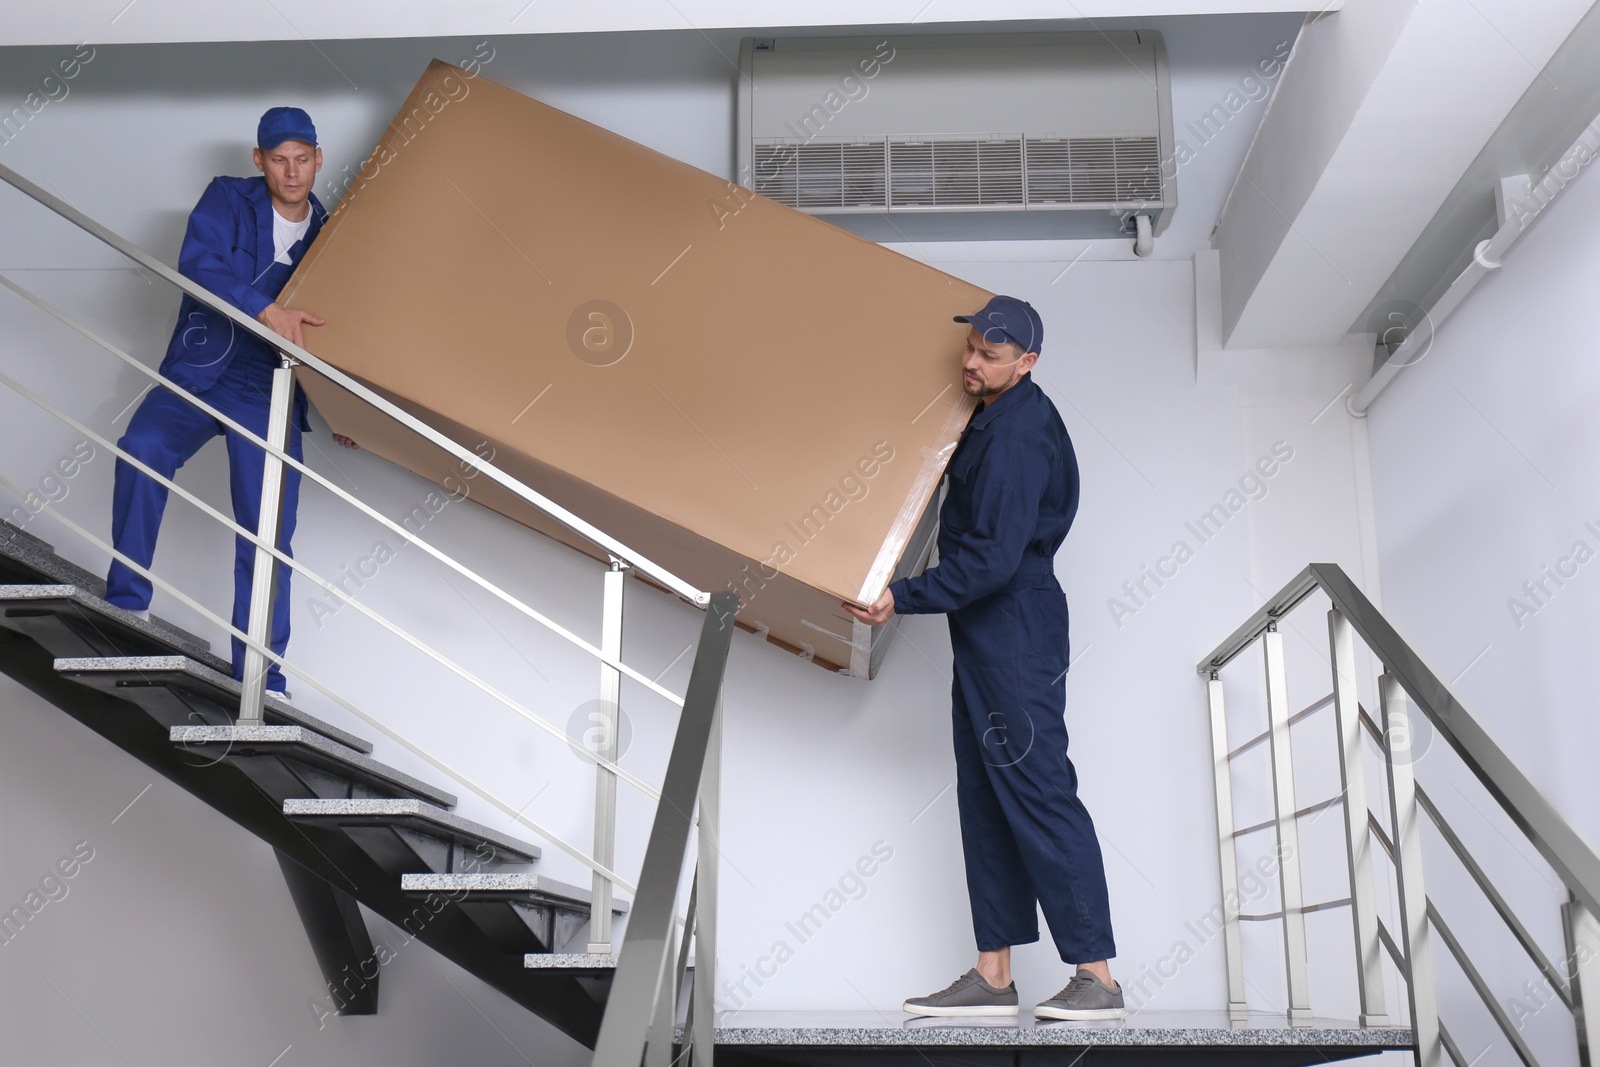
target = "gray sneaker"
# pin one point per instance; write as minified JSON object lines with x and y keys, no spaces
{"x":1085,"y":997}
{"x":967,"y":995}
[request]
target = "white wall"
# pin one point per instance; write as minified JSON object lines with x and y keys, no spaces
{"x":1482,"y":464}
{"x":1484,"y":475}
{"x":819,"y":767}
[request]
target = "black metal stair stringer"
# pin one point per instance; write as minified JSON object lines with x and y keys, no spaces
{"x":327,"y":853}
{"x":339,"y":938}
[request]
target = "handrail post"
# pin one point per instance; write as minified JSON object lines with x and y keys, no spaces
{"x":704,"y":1024}
{"x":252,"y":695}
{"x":658,"y":1044}
{"x":681,"y":971}
{"x":1227,"y":851}
{"x":1357,"y":838}
{"x":637,"y":983}
{"x":1405,"y":815}
{"x":1582,"y":932}
{"x":1284,"y":808}
{"x":605,"y":780}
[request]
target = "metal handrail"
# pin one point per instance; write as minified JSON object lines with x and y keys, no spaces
{"x":1481,"y":987}
{"x":1558,"y":982}
{"x":356,"y":502}
{"x":643,"y":564}
{"x":645,"y":962}
{"x":1571,"y":857}
{"x":326,"y":586}
{"x":1405,"y":681}
{"x":692,"y":772}
{"x":646,"y":984}
{"x":516,"y":814}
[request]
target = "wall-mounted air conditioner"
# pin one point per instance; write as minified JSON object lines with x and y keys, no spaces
{"x":969,"y":137}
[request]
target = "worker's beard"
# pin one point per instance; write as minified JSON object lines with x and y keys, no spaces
{"x":983,"y":390}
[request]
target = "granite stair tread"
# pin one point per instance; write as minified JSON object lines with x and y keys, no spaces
{"x":510,"y":886}
{"x":411,"y":814}
{"x":298,"y":744}
{"x":35,"y":560}
{"x":570,"y":961}
{"x":1167,"y":1030}
{"x":88,"y":626}
{"x":124,"y":676}
{"x":12,"y":532}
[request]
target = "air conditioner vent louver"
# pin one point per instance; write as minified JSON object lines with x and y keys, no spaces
{"x":951,"y":173}
{"x":1077,"y":170}
{"x":906,"y":173}
{"x":962,"y":137}
{"x":847,"y":174}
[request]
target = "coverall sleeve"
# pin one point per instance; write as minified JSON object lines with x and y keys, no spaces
{"x":206,"y":254}
{"x":1006,"y":491}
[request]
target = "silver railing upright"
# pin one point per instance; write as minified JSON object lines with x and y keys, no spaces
{"x":652,"y":965}
{"x":605,"y":783}
{"x":645,"y":987}
{"x":1405,"y":688}
{"x":253,"y":694}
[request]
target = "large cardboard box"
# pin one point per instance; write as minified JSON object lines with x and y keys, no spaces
{"x":747,"y":395}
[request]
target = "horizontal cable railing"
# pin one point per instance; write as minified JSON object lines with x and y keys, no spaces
{"x":348,"y":498}
{"x":637,"y":560}
{"x":329,"y":587}
{"x":1405,"y":680}
{"x":516,"y":814}
{"x":1555,"y":839}
{"x":1294,"y":720}
{"x":694,"y":764}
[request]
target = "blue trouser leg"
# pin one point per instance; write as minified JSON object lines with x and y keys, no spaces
{"x":164,"y":433}
{"x":245,"y":468}
{"x":1002,"y":894}
{"x":1026,"y":835}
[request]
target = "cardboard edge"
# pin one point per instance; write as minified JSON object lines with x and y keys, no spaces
{"x":348,"y":200}
{"x":916,"y":502}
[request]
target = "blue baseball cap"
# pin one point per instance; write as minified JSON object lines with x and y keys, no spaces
{"x":1005,"y":318}
{"x":282,"y":124}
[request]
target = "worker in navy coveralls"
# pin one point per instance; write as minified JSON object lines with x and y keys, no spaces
{"x":1029,"y":842}
{"x":244,"y":239}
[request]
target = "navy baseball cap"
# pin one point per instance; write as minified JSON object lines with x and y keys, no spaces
{"x":282,"y":124}
{"x":1005,"y":318}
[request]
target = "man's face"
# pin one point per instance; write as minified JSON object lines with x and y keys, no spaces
{"x":290,"y":170}
{"x":990,"y":368}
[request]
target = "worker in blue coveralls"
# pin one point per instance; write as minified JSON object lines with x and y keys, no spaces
{"x":1029,"y":842}
{"x":245,"y":238}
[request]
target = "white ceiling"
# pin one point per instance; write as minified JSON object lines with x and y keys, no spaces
{"x":1381,"y":111}
{"x":156,"y":21}
{"x":672,"y":90}
{"x":1387,"y":108}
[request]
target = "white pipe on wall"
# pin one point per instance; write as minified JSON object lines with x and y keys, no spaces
{"x":1487,"y":257}
{"x":1144,"y":241}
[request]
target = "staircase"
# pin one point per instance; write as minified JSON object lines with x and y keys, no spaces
{"x":347,"y":828}
{"x":351,"y":830}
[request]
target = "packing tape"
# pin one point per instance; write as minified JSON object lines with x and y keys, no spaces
{"x":922,"y":488}
{"x":860,"y":649}
{"x":860,"y":642}
{"x":824,"y":630}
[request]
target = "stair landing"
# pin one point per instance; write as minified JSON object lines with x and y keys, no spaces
{"x":1172,"y":1037}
